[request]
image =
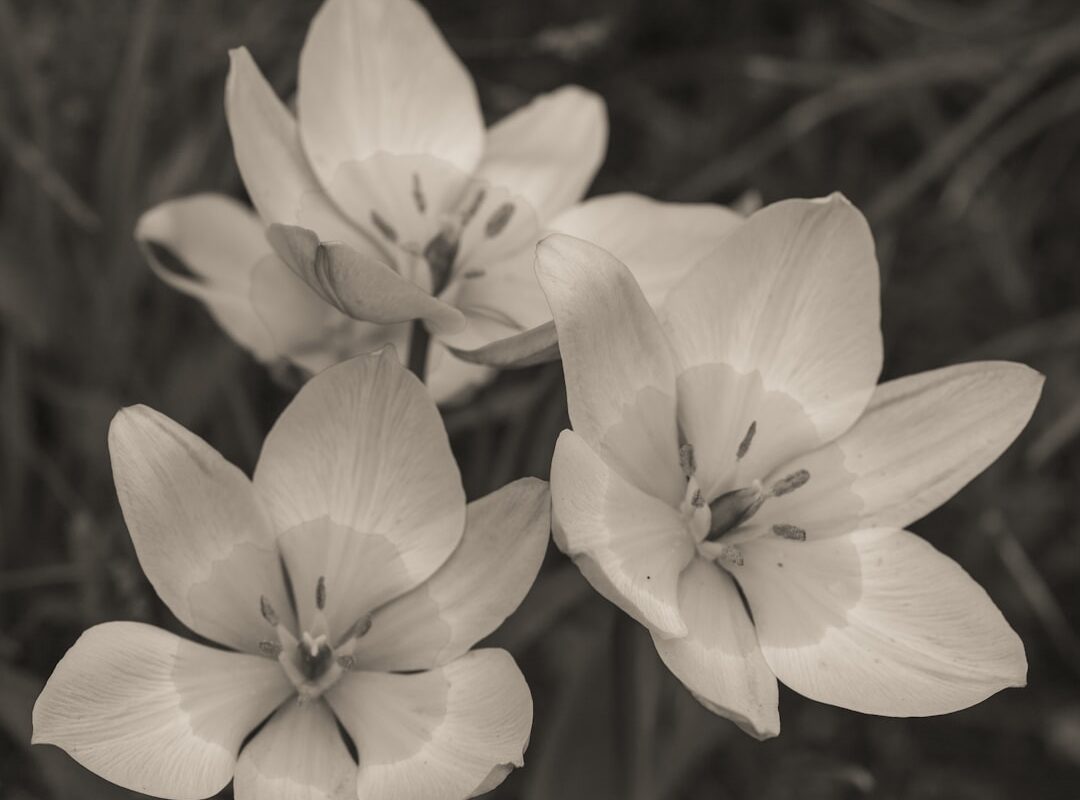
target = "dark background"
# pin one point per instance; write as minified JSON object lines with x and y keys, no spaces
{"x":954,"y":125}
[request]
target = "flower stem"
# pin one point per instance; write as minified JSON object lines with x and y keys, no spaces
{"x":419,"y":341}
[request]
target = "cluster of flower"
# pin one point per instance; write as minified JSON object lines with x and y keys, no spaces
{"x":735,"y":480}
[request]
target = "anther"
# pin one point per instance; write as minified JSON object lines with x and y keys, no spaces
{"x":440,"y":254}
{"x":358,"y":628}
{"x":731,"y":555}
{"x":790,"y":483}
{"x":498,"y":220}
{"x":744,"y":445}
{"x":418,"y":194}
{"x":474,"y":273}
{"x":320,"y":593}
{"x":268,"y":648}
{"x":697,"y":501}
{"x":470,"y":212}
{"x":687,"y":461}
{"x":385,"y":228}
{"x":268,"y":611}
{"x":346,"y":662}
{"x":791,"y":532}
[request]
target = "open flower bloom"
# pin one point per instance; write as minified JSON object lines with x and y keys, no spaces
{"x":735,"y":442}
{"x":349,"y":580}
{"x":385,"y":201}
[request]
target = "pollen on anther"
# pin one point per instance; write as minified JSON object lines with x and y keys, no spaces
{"x":498,"y":220}
{"x":687,"y":460}
{"x":790,"y":483}
{"x":791,"y":532}
{"x":385,"y":228}
{"x":470,"y":212}
{"x":320,"y":593}
{"x":744,"y":445}
{"x":268,"y":610}
{"x":698,"y":500}
{"x":271,"y":649}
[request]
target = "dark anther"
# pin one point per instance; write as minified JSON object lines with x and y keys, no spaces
{"x":385,"y":228}
{"x":474,"y":273}
{"x":791,"y":532}
{"x":470,"y":212}
{"x":268,"y":611}
{"x":790,"y":483}
{"x":320,"y":593}
{"x":498,"y":220}
{"x":271,"y":649}
{"x":418,"y":193}
{"x":744,"y":445}
{"x":687,"y":461}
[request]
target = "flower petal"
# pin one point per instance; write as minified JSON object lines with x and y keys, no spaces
{"x":155,"y":713}
{"x":719,"y":660}
{"x":358,"y":285}
{"x":267,"y":146}
{"x":877,"y":621}
{"x":620,"y":373}
{"x":198,"y":529}
{"x":537,"y":345}
{"x":298,"y":755}
{"x":548,"y":151}
{"x":793,"y":294}
{"x":659,"y":242}
{"x":378,"y":76}
{"x":436,"y":735}
{"x":487,"y":577}
{"x":630,"y":546}
{"x":359,"y":478}
{"x":219,"y":242}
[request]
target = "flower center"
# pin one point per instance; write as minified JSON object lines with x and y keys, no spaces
{"x":718,"y":527}
{"x":312,"y":662}
{"x":440,"y":252}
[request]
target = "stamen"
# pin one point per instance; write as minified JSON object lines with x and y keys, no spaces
{"x":418,"y":194}
{"x":791,"y":532}
{"x":731,"y":555}
{"x":744,"y":445}
{"x":687,"y":461}
{"x":268,"y":648}
{"x":697,"y":501}
{"x":346,"y":662}
{"x":732,"y":509}
{"x":474,"y":273}
{"x":320,"y":593}
{"x":790,"y":483}
{"x":268,"y":611}
{"x":470,"y":212}
{"x":385,"y":228}
{"x":499,"y":220}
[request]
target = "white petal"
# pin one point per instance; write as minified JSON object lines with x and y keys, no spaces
{"x":298,"y":755}
{"x":630,"y":546}
{"x":153,"y":712}
{"x":793,"y":294}
{"x":620,"y":374}
{"x":357,"y":284}
{"x":435,"y":735}
{"x":549,"y":150}
{"x":719,"y":660}
{"x":878,"y":621}
{"x":378,"y":76}
{"x":219,"y":241}
{"x":268,"y":153}
{"x":198,"y":529}
{"x":358,"y":476}
{"x":537,"y":345}
{"x":487,"y":577}
{"x":659,"y":242}
{"x":451,"y":380}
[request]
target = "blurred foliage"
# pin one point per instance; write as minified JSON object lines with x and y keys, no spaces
{"x":953,"y":123}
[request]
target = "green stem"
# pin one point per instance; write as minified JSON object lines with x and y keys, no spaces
{"x":418,"y":348}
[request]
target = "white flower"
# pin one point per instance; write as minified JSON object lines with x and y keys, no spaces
{"x":385,"y":200}
{"x":736,"y":441}
{"x":349,"y":579}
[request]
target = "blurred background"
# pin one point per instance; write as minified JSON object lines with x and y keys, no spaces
{"x":955,"y":126}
